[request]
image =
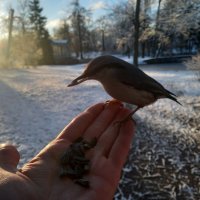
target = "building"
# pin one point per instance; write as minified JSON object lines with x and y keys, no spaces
{"x":61,"y":50}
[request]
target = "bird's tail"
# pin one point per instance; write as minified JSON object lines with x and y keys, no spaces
{"x":172,"y":97}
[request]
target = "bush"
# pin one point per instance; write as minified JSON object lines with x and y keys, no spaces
{"x":3,"y":60}
{"x":24,"y":51}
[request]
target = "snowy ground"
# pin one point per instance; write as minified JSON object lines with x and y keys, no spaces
{"x":164,"y":162}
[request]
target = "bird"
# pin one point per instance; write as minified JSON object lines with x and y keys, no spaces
{"x":124,"y":82}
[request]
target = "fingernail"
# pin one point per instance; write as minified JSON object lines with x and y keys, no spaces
{"x":114,"y":102}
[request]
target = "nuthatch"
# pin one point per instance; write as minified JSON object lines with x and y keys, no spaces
{"x":124,"y":82}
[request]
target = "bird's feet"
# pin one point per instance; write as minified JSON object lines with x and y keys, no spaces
{"x":119,"y":123}
{"x":128,"y":117}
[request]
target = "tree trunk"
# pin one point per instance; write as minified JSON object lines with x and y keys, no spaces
{"x":103,"y":41}
{"x":11,"y":17}
{"x":156,"y":29}
{"x":143,"y":49}
{"x":158,"y":14}
{"x":136,"y":38}
{"x":80,"y":37}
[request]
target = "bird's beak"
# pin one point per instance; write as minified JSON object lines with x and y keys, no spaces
{"x":78,"y":80}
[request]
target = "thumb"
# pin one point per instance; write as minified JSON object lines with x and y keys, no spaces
{"x":9,"y":157}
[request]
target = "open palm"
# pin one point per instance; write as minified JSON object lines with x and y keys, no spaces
{"x":39,"y":178}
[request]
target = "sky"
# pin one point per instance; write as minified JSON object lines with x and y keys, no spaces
{"x":54,"y":9}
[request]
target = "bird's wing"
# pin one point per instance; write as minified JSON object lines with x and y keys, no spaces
{"x":134,"y":77}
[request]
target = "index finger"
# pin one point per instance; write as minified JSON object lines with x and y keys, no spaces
{"x":79,"y":124}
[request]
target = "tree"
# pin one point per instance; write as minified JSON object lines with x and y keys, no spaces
{"x":130,"y":22}
{"x":160,"y":44}
{"x":11,"y":17}
{"x":137,"y":29}
{"x":63,"y":30}
{"x":102,"y":27}
{"x":25,"y":51}
{"x":22,"y":17}
{"x":3,"y":47}
{"x":145,"y":25}
{"x":79,"y":17}
{"x":158,"y":14}
{"x":122,"y":17}
{"x":179,"y":23}
{"x":38,"y":23}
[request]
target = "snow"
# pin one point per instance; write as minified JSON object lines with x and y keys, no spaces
{"x":35,"y":104}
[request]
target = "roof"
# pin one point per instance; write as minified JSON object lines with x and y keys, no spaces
{"x":59,"y":42}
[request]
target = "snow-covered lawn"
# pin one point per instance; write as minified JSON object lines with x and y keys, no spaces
{"x":35,"y":104}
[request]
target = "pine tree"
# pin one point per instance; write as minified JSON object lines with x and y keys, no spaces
{"x":38,"y":22}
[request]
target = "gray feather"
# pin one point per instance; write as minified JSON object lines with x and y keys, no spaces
{"x":131,"y":76}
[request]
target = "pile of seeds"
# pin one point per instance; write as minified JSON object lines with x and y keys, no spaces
{"x":74,"y":163}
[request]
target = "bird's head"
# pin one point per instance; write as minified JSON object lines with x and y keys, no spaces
{"x":95,"y":69}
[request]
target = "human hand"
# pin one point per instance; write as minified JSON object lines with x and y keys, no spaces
{"x":39,"y":178}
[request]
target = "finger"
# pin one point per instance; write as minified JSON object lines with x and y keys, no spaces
{"x":103,"y":121}
{"x":9,"y":157}
{"x":108,"y":138}
{"x":76,"y":128}
{"x":78,"y":125}
{"x":121,"y":146}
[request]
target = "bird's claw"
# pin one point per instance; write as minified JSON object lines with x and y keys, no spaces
{"x":127,"y":118}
